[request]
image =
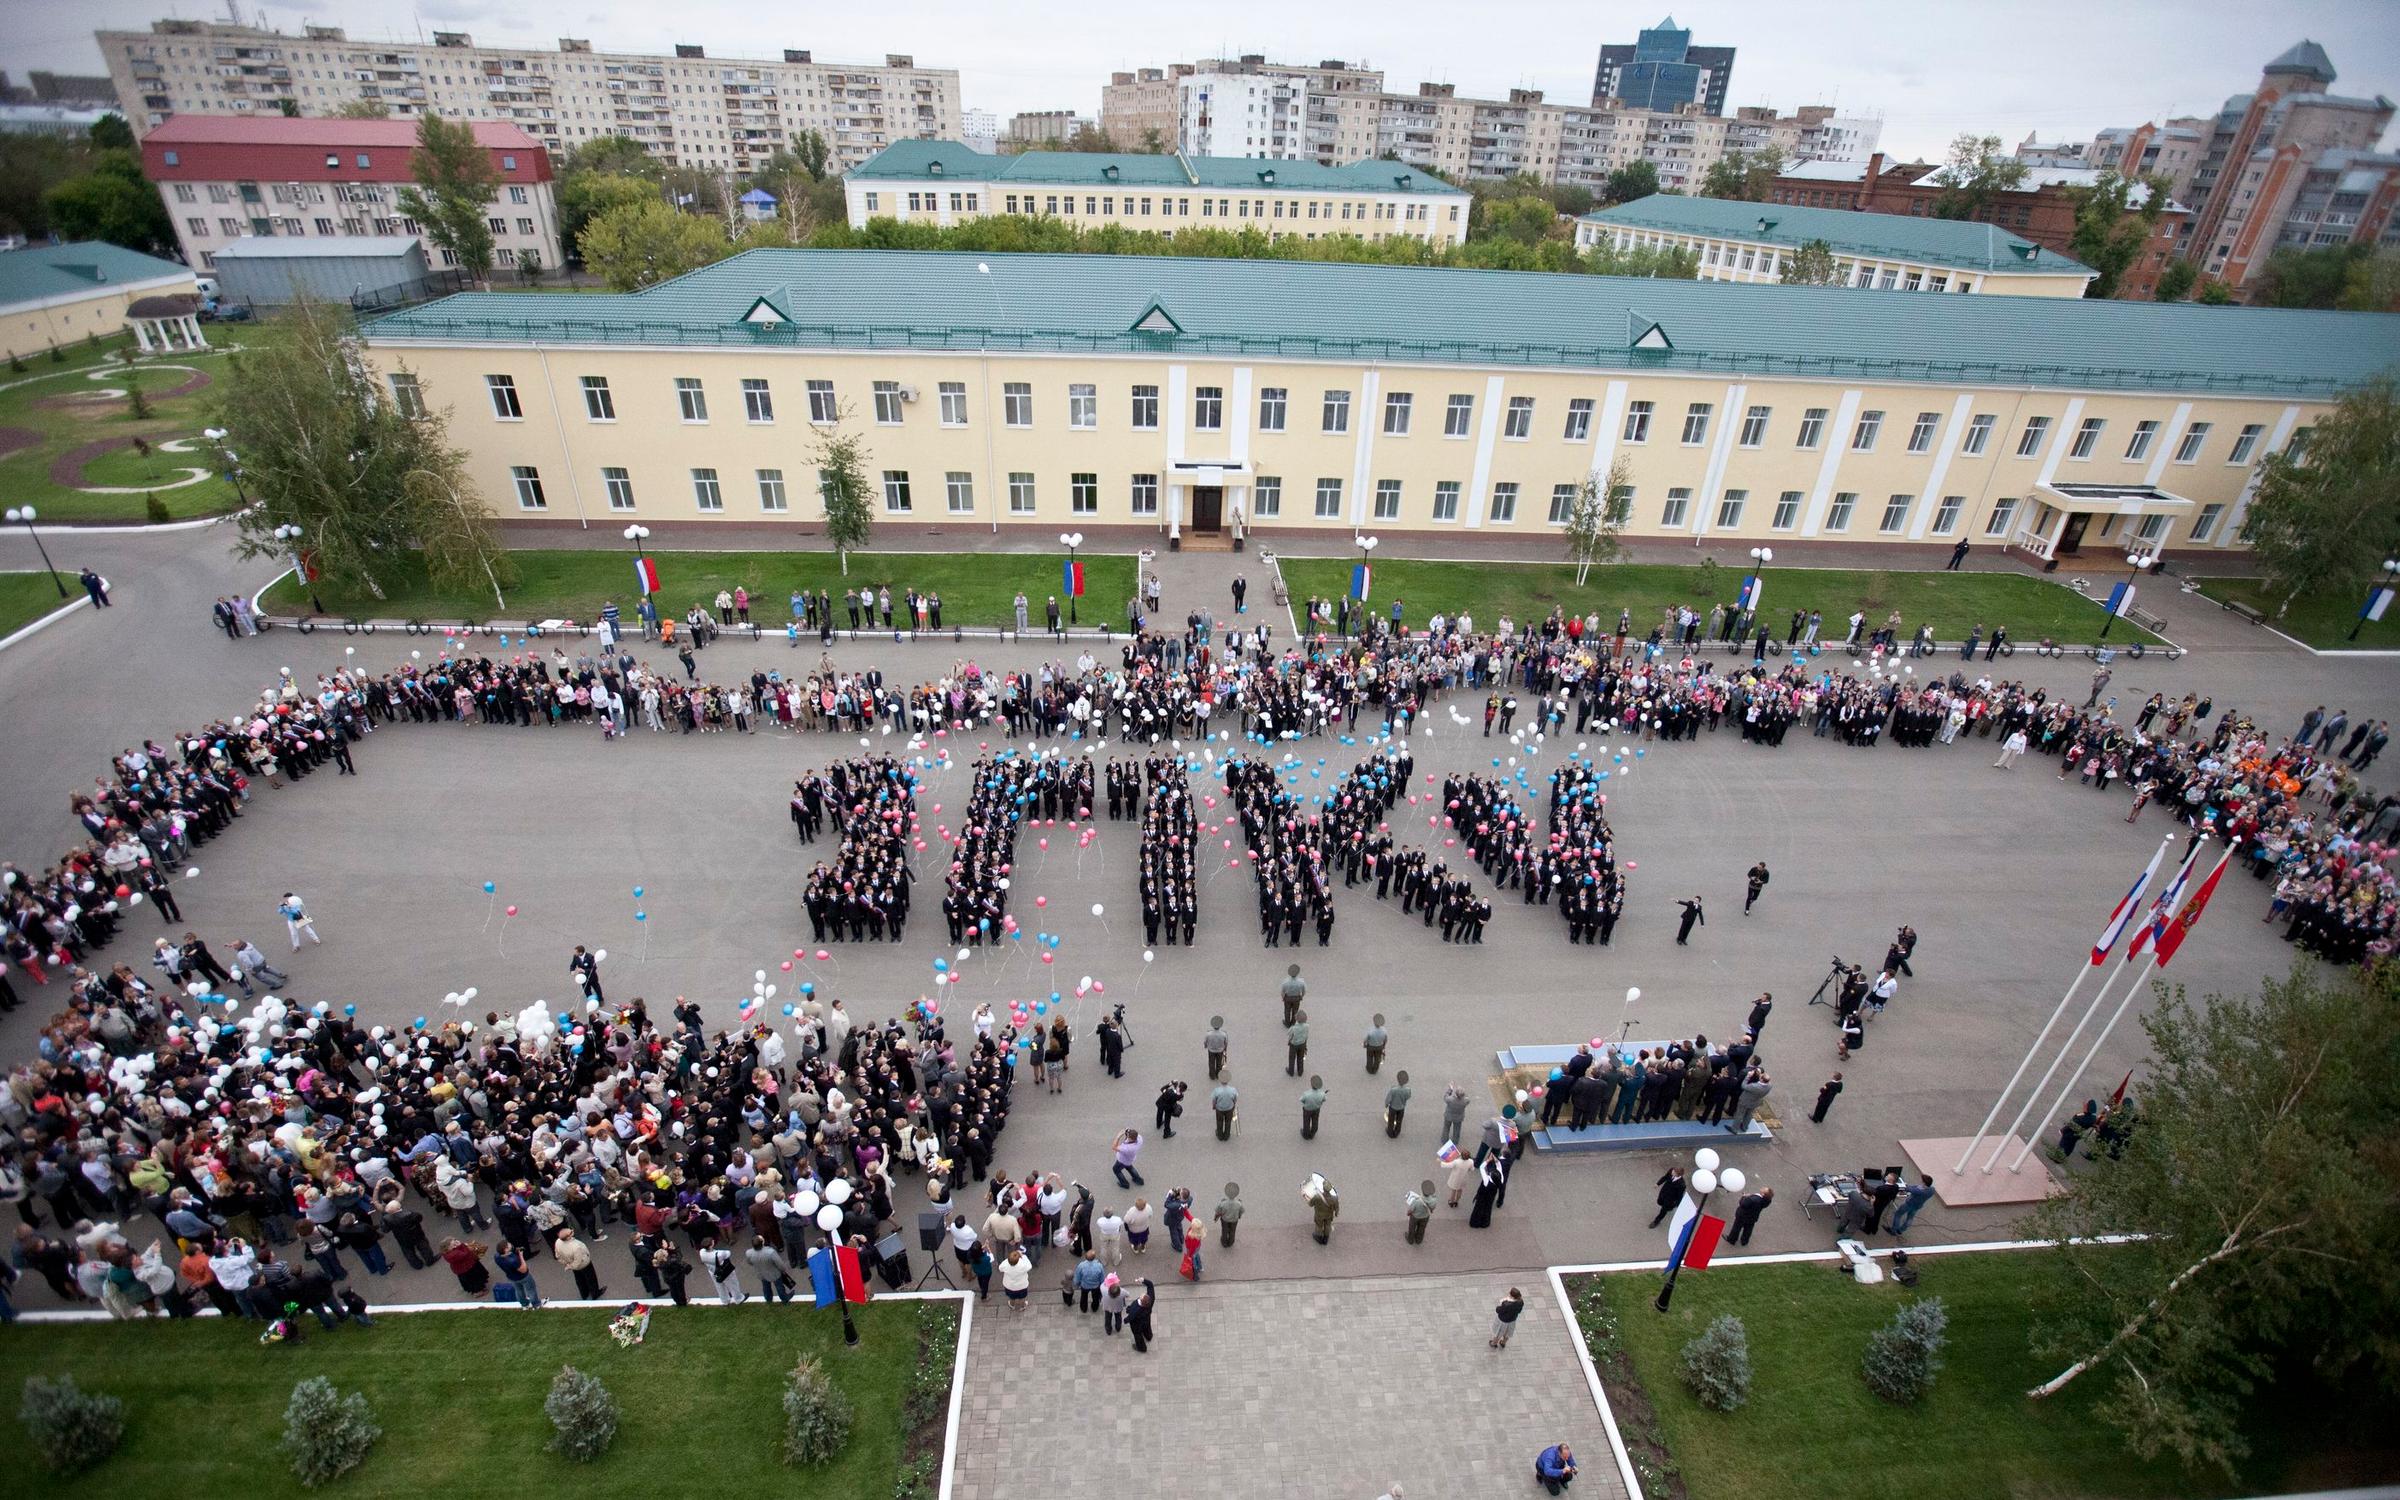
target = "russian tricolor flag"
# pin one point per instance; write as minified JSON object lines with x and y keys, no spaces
{"x":835,"y":1273}
{"x":2106,"y":943}
{"x":1692,"y":1237}
{"x":645,"y":573}
{"x":1072,"y":577}
{"x":1750,"y":591}
{"x":1361,"y":578}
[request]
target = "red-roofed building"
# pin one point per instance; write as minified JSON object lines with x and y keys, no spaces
{"x":226,"y":176}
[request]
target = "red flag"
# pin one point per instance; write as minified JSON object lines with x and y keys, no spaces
{"x":2118,"y":1098}
{"x":853,"y":1275}
{"x":2172,"y":935}
{"x":1705,"y":1234}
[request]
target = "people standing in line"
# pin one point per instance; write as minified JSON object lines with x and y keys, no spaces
{"x":1377,"y":1039}
{"x":1418,"y":1208}
{"x":1216,"y":1044}
{"x":1295,"y":990}
{"x":1324,"y":1206}
{"x":1295,"y":1038}
{"x":2012,"y":750}
{"x":1504,"y":1318}
{"x":1224,"y":1101}
{"x":1228,"y":1214}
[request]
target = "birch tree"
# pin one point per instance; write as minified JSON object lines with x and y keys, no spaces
{"x":1602,"y":506}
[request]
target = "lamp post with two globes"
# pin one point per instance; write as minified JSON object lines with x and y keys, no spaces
{"x":1706,"y":1178}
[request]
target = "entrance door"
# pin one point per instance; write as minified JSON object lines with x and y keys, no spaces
{"x":1208,"y":508}
{"x":2071,"y":537}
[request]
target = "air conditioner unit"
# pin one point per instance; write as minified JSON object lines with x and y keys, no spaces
{"x":908,"y":393}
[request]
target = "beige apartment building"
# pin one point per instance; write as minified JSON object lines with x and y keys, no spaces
{"x":1732,"y":240}
{"x":688,"y":108}
{"x":1192,"y":396}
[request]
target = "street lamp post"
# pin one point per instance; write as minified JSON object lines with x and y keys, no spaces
{"x":2391,"y":573}
{"x":233,"y":468}
{"x":24,"y":513}
{"x":636,"y":534}
{"x":1071,"y":540}
{"x":1759,"y":557}
{"x":1705,"y":1180}
{"x":2138,"y":562}
{"x":289,"y":535}
{"x":1366,"y":555}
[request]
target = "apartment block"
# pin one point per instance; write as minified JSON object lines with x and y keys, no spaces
{"x":687,"y":108}
{"x":1033,"y":127}
{"x":1213,"y":98}
{"x":226,"y":178}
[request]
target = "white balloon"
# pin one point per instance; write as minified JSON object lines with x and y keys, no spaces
{"x":760,"y":976}
{"x":1148,"y":956}
{"x":838,"y":1190}
{"x":1704,"y":1181}
{"x":807,"y":1202}
{"x":829,"y":1218}
{"x":1096,"y":908}
{"x":1705,"y":1159}
{"x":601,"y":956}
{"x":1732,"y":1180}
{"x":469,"y":992}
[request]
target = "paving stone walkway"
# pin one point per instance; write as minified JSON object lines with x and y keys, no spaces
{"x":1329,"y":1389}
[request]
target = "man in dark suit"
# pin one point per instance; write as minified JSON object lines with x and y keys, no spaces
{"x":1670,"y":1195}
{"x":1825,"y":1098}
{"x":1692,"y":917}
{"x":1745,"y":1215}
{"x":1589,"y":1094}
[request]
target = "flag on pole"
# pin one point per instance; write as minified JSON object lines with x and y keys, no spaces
{"x":2162,"y":911}
{"x":2117,"y":1099}
{"x":1679,"y":1229}
{"x":645,"y":573}
{"x":1751,"y":584}
{"x":2120,"y":599}
{"x":2379,"y":599}
{"x":2123,"y":915}
{"x":835,"y":1274}
{"x":1361,"y":577}
{"x":1707,"y":1230}
{"x":2171,"y":936}
{"x":1072,"y":577}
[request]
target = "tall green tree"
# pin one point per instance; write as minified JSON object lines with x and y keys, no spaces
{"x":30,"y":166}
{"x":1596,"y":521}
{"x":811,"y":152}
{"x":841,"y":457}
{"x":1978,"y":172}
{"x":2372,"y":283}
{"x":1810,"y":265}
{"x":2306,"y":278}
{"x":111,"y":133}
{"x":1745,"y":175}
{"x":2258,"y":1183}
{"x":111,"y":202}
{"x":324,"y":447}
{"x":288,"y":108}
{"x":456,"y":181}
{"x":362,"y":109}
{"x":1090,"y":138}
{"x":2322,"y":522}
{"x":2111,"y":230}
{"x":641,"y":244}
{"x":2176,"y":281}
{"x":615,"y":155}
{"x":1633,"y":180}
{"x":584,"y":195}
{"x":1154,"y":143}
{"x":2214,"y":293}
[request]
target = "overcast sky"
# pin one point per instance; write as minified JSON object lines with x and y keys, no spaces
{"x":1930,"y":68}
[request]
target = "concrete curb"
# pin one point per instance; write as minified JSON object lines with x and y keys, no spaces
{"x":45,"y":622}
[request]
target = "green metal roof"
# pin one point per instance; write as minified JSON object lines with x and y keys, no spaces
{"x":1938,"y":242}
{"x":84,"y":268}
{"x":1270,"y":309}
{"x":912,"y":160}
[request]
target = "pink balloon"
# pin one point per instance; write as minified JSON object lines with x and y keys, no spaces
{"x":1537,"y":1091}
{"x":1045,"y":843}
{"x":1049,"y":958}
{"x":823,"y":955}
{"x":1041,"y":900}
{"x":1630,"y":865}
{"x":1098,"y":988}
{"x":799,"y":953}
{"x":787,"y":966}
{"x":1599,"y":1042}
{"x":512,"y":911}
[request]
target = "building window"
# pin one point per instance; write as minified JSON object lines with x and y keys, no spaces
{"x":1920,"y":432}
{"x":958,"y":486}
{"x":2029,"y":442}
{"x":1145,"y":494}
{"x":2152,"y":531}
{"x":1637,"y":422}
{"x":1145,"y":408}
{"x":1208,"y":408}
{"x":504,"y":398}
{"x":1812,"y":427}
{"x":1787,"y":511}
{"x":1519,"y":421}
{"x":1398,"y":407}
{"x":1678,"y":510}
{"x":1695,"y":424}
{"x":1083,"y":494}
{"x":618,"y":483}
{"x":705,"y":490}
{"x":528,"y":481}
{"x":1838,"y":518}
{"x":1387,"y":499}
{"x":1895,"y":513}
{"x":887,"y":403}
{"x":1270,"y":408}
{"x":598,"y":404}
{"x":1016,"y":403}
{"x":2187,"y":447}
{"x":1266,"y":497}
{"x":895,"y":492}
{"x":2245,"y":443}
{"x":758,"y":403}
{"x":2004,"y":511}
{"x":1329,"y":499}
{"x":952,"y":394}
{"x":2144,"y":434}
{"x":1729,"y":509}
{"x":1020,"y":494}
{"x":2086,"y":437}
{"x":1458,"y":417}
{"x":1337,"y":411}
{"x":1945,"y":516}
{"x":408,"y":397}
{"x":1754,"y":426}
{"x":691,"y":399}
{"x":1979,"y":434}
{"x":1445,"y":500}
{"x":1504,"y":504}
{"x":822,"y":408}
{"x":1083,"y":406}
{"x":770,"y":490}
{"x":1562,"y":503}
{"x":1579,"y":419}
{"x":1870,"y":427}
{"x":874,"y":202}
{"x":2204,"y":525}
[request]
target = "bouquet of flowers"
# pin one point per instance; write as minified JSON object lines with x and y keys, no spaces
{"x":628,"y":1326}
{"x":277,"y":1331}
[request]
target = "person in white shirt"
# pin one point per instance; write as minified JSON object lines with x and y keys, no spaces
{"x":296,"y":919}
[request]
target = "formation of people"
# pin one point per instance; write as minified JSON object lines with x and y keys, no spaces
{"x":863,"y":894}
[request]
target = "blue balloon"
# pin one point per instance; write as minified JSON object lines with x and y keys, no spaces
{"x":787,"y":1010}
{"x":641,"y":916}
{"x":1041,"y":1007}
{"x":349,"y":1010}
{"x":637,"y":893}
{"x":1638,"y":754}
{"x":808,"y":989}
{"x":1054,"y":995}
{"x":941,"y":964}
{"x":490,"y":886}
{"x":225,"y":1029}
{"x":420,"y":1023}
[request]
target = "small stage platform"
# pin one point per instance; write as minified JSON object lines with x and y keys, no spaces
{"x":1518,"y":1063}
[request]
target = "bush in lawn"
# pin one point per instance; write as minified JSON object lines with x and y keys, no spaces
{"x":1716,"y":1365}
{"x":816,"y":1416}
{"x":71,"y":1429}
{"x":584,"y":1413}
{"x":156,"y":509}
{"x":326,"y":1433}
{"x":1903,"y":1355}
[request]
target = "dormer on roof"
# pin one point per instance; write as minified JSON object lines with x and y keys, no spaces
{"x":1646,"y":335}
{"x":769,"y":307}
{"x":1155,"y":319}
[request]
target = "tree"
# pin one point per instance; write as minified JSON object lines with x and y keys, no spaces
{"x":816,"y":1416}
{"x":584,"y":1413}
{"x":1571,"y":200}
{"x":2176,"y":281}
{"x":71,"y":1428}
{"x":111,"y":133}
{"x":2372,"y":283}
{"x":585,"y":194}
{"x":842,"y":483}
{"x":641,"y":244}
{"x":1090,"y":138}
{"x":326,"y":448}
{"x":811,"y":152}
{"x":1810,"y":265}
{"x":327,"y":1433}
{"x":2306,"y":278}
{"x":1525,"y":220}
{"x":1977,"y":173}
{"x":1904,"y":1355}
{"x":612,"y":155}
{"x":1716,"y":1364}
{"x":1746,"y":175}
{"x":1601,"y":508}
{"x":2110,"y":231}
{"x":289,"y":108}
{"x":2215,"y":293}
{"x":111,"y":202}
{"x":30,"y":166}
{"x":1153,"y":143}
{"x":2258,"y":1179}
{"x":137,"y":405}
{"x":362,"y":109}
{"x":456,"y":181}
{"x":2322,"y":521}
{"x":1669,"y":263}
{"x":1633,"y":180}
{"x":530,"y":267}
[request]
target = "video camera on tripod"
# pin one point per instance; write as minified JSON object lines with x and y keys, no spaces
{"x":1839,"y":977}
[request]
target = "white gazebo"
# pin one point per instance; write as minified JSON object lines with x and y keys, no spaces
{"x":166,"y":323}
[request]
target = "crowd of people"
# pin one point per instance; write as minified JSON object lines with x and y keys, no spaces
{"x":863,"y":895}
{"x":1006,"y":791}
{"x":1170,"y":845}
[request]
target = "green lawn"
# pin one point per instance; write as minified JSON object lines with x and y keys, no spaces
{"x":459,"y":1398}
{"x":2323,"y":621}
{"x":26,"y":597}
{"x":1813,"y":1431}
{"x":975,"y":590}
{"x":27,"y":401}
{"x":1954,"y":602}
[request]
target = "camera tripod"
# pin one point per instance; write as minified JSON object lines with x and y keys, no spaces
{"x":1834,"y":979}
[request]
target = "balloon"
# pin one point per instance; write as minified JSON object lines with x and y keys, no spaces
{"x":1041,"y":900}
{"x":512,"y":911}
{"x":837,"y":1191}
{"x":193,"y":873}
{"x":124,"y":891}
{"x":806,"y":1201}
{"x":1705,"y":1158}
{"x":1098,"y":988}
{"x":1732,"y":1180}
{"x":1599,"y":1042}
{"x":1096,"y":908}
{"x":490,"y":886}
{"x":1049,"y":958}
{"x":1704,"y":1182}
{"x":637,"y":893}
{"x":470,"y":992}
{"x":760,"y":976}
{"x":823,"y":955}
{"x":829,"y":1218}
{"x":1148,"y":956}
{"x":600,"y":957}
{"x":787,"y":966}
{"x":1632,"y":994}
{"x":641,"y":916}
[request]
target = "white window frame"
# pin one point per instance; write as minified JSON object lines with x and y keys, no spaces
{"x":1838,"y":515}
{"x":1786,"y":514}
{"x":1637,"y":421}
{"x":2194,"y":439}
{"x":1894,"y":519}
{"x":899,"y":497}
{"x":951,"y":396}
{"x":1754,"y":426}
{"x":1266,"y":498}
{"x":2036,"y":432}
{"x":958,"y":491}
{"x":506,"y":405}
{"x":1022,"y":496}
{"x":773,"y":498}
{"x":691,"y":400}
{"x":1695,"y":423}
{"x":1143,"y":408}
{"x":1387,"y":500}
{"x":1562,"y":503}
{"x":1979,"y":434}
{"x":887,"y":402}
{"x":2245,"y":443}
{"x":708,"y":492}
{"x":1083,"y":407}
{"x":1143,"y":496}
{"x":1399,"y":410}
{"x":526,"y":480}
{"x":1730,"y":507}
{"x":1516,"y":424}
{"x":599,"y":402}
{"x":1867,"y":433}
{"x":1812,"y":428}
{"x":2137,"y":447}
{"x":1946,"y":514}
{"x":1445,"y":501}
{"x":1677,"y":511}
{"x":1208,"y":408}
{"x":617,"y":484}
{"x":824,"y":406}
{"x":2004,"y":514}
{"x":1083,"y":492}
{"x":1458,"y":415}
{"x":1335,"y":412}
{"x":1273,"y":404}
{"x":408,"y":393}
{"x":1016,"y":403}
{"x":758,"y":402}
{"x":2087,"y":438}
{"x":1922,"y":431}
{"x":1329,"y":499}
{"x":1579,"y":420}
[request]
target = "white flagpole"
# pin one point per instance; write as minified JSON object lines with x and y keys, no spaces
{"x":2088,"y":1058}
{"x":2098,"y":1001}
{"x":2084,"y":972}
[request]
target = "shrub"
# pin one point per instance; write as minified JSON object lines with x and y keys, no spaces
{"x":16,"y":362}
{"x":156,"y":509}
{"x":71,"y":1429}
{"x":584,"y":1413}
{"x":58,"y":356}
{"x":816,"y":1416}
{"x":1716,"y":1365}
{"x":1903,"y":1355}
{"x":326,"y":1433}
